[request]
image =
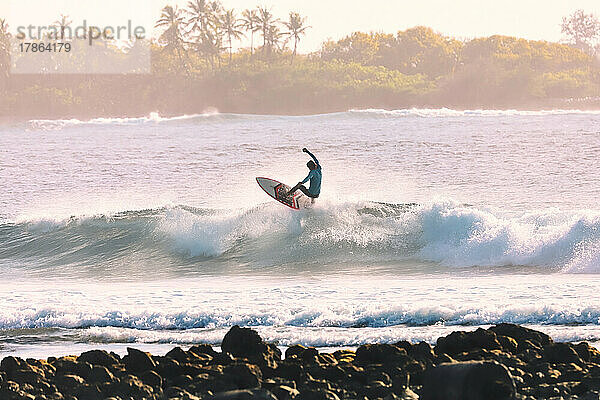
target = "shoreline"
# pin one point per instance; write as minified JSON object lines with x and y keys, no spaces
{"x":505,"y":361}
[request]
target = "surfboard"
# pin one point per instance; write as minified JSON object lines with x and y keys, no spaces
{"x":278,"y":191}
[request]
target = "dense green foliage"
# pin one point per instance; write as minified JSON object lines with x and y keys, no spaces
{"x":195,"y":65}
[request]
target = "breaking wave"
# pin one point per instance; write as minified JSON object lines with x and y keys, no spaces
{"x":446,"y":233}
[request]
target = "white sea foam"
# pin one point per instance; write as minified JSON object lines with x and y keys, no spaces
{"x":154,"y":117}
{"x":447,"y":112}
{"x":445,"y":233}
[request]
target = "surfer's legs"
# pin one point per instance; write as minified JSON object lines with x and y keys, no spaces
{"x":303,"y":189}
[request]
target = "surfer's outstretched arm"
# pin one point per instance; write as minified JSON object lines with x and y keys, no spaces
{"x":312,"y":155}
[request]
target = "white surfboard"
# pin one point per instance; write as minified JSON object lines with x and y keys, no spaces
{"x":278,"y":191}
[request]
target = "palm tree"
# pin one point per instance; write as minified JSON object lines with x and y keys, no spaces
{"x":199,"y":15}
{"x":273,"y":38}
{"x":172,"y":20}
{"x":266,"y":24}
{"x":62,"y":24}
{"x":4,"y":51}
{"x":297,"y":29}
{"x":250,"y":24}
{"x":231,"y":27}
{"x":215,"y":8}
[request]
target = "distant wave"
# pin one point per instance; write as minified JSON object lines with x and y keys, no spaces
{"x":214,"y":115}
{"x":47,"y":124}
{"x":447,"y":112}
{"x":445,"y":233}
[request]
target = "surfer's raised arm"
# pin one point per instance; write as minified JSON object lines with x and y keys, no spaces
{"x":312,"y":155}
{"x":314,"y":176}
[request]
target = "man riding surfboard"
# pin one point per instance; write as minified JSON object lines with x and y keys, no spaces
{"x":314,"y":176}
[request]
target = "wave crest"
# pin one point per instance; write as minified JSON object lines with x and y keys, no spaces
{"x":445,"y":233}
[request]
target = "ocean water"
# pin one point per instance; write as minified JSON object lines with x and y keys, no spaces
{"x":152,"y":231}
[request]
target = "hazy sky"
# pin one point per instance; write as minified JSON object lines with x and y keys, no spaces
{"x":532,"y":19}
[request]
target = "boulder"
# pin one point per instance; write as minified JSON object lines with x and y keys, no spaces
{"x":302,"y":352}
{"x":100,"y":374}
{"x":10,"y":364}
{"x":246,"y":343}
{"x":314,"y":394}
{"x":283,"y":392}
{"x":460,"y":342}
{"x":98,"y":357}
{"x":560,"y":353}
{"x":70,"y":366}
{"x":521,"y":334}
{"x":380,"y":354}
{"x":473,"y":380}
{"x":138,"y":361}
{"x":132,"y":386}
{"x":151,"y":378}
{"x":68,"y":383}
{"x":245,"y":376}
{"x":203,"y":349}
{"x":178,"y":354}
{"x":587,"y":353}
{"x":259,"y":394}
{"x":509,"y":345}
{"x":169,"y":368}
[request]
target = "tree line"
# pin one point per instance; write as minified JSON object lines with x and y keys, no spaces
{"x":200,"y":59}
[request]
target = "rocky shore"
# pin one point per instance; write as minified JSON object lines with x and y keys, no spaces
{"x":503,"y":362}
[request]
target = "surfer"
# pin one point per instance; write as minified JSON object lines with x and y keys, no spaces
{"x":314,"y":176}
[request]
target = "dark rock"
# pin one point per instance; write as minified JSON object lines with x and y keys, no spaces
{"x":460,"y":342}
{"x":560,"y":353}
{"x":546,"y":391}
{"x":283,"y":392}
{"x":175,"y":392}
{"x":521,"y":334}
{"x":328,"y":372}
{"x":88,"y":392}
{"x":260,"y":394}
{"x":27,"y":376}
{"x":98,"y":357}
{"x":346,"y":356}
{"x":222,"y":359}
{"x":138,"y":361}
{"x":242,"y":342}
{"x":376,"y":390}
{"x":317,"y":395}
{"x":587,"y":353}
{"x":68,"y":383}
{"x":291,"y":371}
{"x":10,"y":364}
{"x":100,"y":374}
{"x":468,"y":381}
{"x":182,"y":380}
{"x":421,"y":351}
{"x":132,"y":386}
{"x":302,"y":352}
{"x":169,"y":368}
{"x":591,"y":395}
{"x":508,"y":344}
{"x":380,"y":354}
{"x":70,"y":366}
{"x":151,"y":378}
{"x":245,"y":376}
{"x":178,"y":354}
{"x":246,"y":343}
{"x":203,"y":349}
